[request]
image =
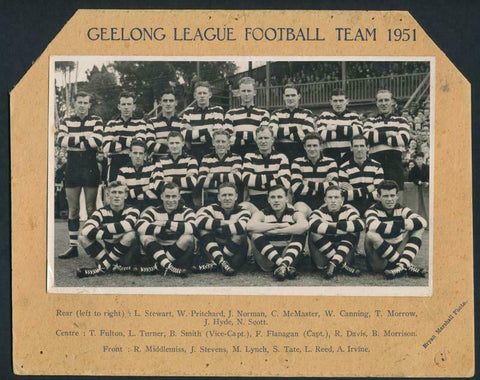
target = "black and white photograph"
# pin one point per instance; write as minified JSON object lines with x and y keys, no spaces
{"x":227,"y":175}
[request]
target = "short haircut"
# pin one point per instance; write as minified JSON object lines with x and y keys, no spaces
{"x":228,"y":184}
{"x":220,"y":132}
{"x":338,"y":92}
{"x":203,"y":84}
{"x":387,"y":184}
{"x":173,"y":134}
{"x":290,"y":86}
{"x":384,"y":91}
{"x":419,"y":154}
{"x":138,"y":142}
{"x":331,"y":188}
{"x":170,"y":186}
{"x":278,"y":187}
{"x":116,"y":183}
{"x":167,"y":92}
{"x":246,"y":80}
{"x":263,"y":128}
{"x":127,"y":94}
{"x":359,"y":137}
{"x":82,"y":94}
{"x":312,"y":136}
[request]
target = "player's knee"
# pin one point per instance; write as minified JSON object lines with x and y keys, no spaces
{"x":303,"y":208}
{"x":202,"y":233}
{"x":373,"y":237}
{"x":73,"y":212}
{"x":186,"y":242}
{"x":315,"y":236}
{"x":239,"y":239}
{"x":146,"y":239}
{"x":249,"y":206}
{"x":128,"y":238}
{"x":418,"y":233}
{"x":90,"y":209}
{"x":84,"y":241}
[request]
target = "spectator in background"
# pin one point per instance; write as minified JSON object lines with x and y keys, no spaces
{"x":420,"y":172}
{"x":61,"y":207}
{"x":420,"y":175}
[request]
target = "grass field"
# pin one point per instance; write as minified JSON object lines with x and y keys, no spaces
{"x":249,"y":275}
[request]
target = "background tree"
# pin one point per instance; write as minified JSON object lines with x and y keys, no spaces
{"x":103,"y":85}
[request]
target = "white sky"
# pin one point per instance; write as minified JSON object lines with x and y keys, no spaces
{"x":87,"y":63}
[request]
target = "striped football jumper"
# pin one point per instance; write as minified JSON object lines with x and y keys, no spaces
{"x":117,"y":151}
{"x":388,"y":136}
{"x":290,"y":127}
{"x":203,"y":122}
{"x":183,"y":171}
{"x":261,"y":173}
{"x":242,"y":123}
{"x":82,"y":138}
{"x":136,"y":180}
{"x":309,"y":180}
{"x":157,"y":131}
{"x":364,"y":180}
{"x":226,"y":169}
{"x":336,"y":131}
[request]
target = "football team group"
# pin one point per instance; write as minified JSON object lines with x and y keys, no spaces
{"x":210,"y":190}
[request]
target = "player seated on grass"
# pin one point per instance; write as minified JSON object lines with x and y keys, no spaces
{"x":334,"y":231}
{"x":222,"y":230}
{"x":278,"y":235}
{"x":166,"y":234}
{"x":137,"y":176}
{"x":109,"y":233}
{"x":394,"y":235}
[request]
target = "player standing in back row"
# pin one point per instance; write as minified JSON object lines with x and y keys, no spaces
{"x":159,"y":127}
{"x":337,"y":127}
{"x":242,"y":122}
{"x":291,"y":124}
{"x":201,"y":121}
{"x":81,"y":135}
{"x":388,"y":135}
{"x":119,"y":134}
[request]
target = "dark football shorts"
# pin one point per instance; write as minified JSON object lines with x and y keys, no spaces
{"x":82,"y":169}
{"x":392,"y":166}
